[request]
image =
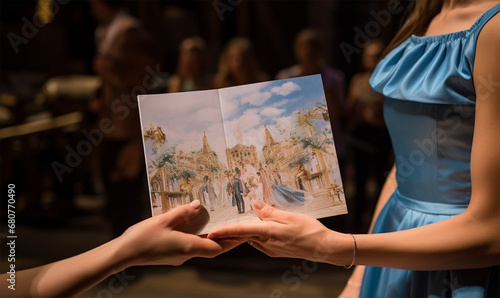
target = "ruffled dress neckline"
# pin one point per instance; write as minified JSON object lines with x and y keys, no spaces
{"x":432,"y":69}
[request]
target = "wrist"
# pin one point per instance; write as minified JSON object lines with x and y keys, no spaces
{"x":336,"y":249}
{"x":355,"y":248}
{"x":121,"y":255}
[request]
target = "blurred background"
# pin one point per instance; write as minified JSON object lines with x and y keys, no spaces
{"x":68,"y":67}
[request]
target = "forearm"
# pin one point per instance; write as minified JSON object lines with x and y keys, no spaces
{"x":150,"y":242}
{"x":463,"y":241}
{"x":457,"y":243}
{"x":387,"y":190}
{"x":68,"y":277}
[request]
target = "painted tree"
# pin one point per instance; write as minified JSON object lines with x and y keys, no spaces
{"x":308,"y":134}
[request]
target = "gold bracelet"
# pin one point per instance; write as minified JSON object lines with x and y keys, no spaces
{"x":353,"y":253}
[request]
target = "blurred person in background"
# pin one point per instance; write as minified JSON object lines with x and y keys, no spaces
{"x":191,"y":71}
{"x":125,"y":58}
{"x":370,"y":142}
{"x":308,"y":51}
{"x":238,"y":65}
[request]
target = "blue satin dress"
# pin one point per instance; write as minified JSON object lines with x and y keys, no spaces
{"x":429,"y":110}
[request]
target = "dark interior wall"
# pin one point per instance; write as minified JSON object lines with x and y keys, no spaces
{"x":67,"y":44}
{"x":29,"y":54}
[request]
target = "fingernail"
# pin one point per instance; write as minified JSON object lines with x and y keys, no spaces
{"x":195,"y":204}
{"x":258,"y":204}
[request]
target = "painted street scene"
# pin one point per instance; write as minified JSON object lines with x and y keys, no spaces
{"x":270,"y":141}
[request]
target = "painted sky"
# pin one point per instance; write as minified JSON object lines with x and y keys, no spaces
{"x":183,"y":117}
{"x":245,"y":109}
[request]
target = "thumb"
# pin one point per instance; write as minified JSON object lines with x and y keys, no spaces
{"x":268,"y":212}
{"x":181,"y":214}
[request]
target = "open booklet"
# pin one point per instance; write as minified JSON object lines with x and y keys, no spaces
{"x":228,"y":147}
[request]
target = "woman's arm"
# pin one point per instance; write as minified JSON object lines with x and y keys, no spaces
{"x":471,"y":239}
{"x":468,"y":240}
{"x":150,"y":242}
{"x":354,"y":284}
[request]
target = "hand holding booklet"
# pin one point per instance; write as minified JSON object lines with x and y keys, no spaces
{"x":269,"y":141}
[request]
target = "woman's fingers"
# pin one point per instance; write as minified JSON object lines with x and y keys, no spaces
{"x":272,"y":220}
{"x":245,"y":230}
{"x":208,"y":248}
{"x":258,"y":246}
{"x":269,"y":213}
{"x":228,"y":244}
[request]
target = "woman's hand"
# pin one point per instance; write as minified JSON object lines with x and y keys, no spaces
{"x":153,"y":241}
{"x":156,"y":242}
{"x":286,"y":234}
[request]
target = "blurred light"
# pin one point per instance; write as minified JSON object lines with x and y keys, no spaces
{"x":8,"y":99}
{"x":44,"y":11}
{"x":39,"y":125}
